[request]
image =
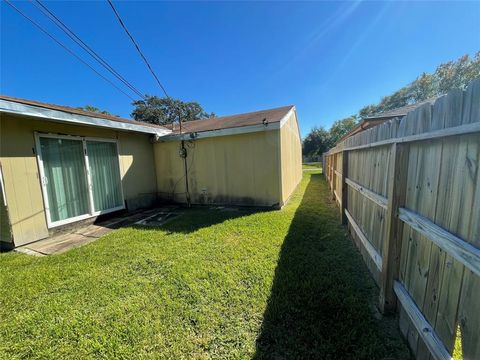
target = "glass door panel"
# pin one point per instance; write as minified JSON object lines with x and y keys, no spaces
{"x":104,"y":175}
{"x":65,"y":178}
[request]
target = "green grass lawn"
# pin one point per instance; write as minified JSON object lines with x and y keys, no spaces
{"x":210,"y":284}
{"x":312,"y":165}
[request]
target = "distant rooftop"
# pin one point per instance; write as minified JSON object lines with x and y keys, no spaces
{"x":380,"y":118}
{"x":401,"y":111}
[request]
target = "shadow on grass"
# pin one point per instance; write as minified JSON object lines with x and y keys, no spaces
{"x":320,"y":304}
{"x":196,"y":218}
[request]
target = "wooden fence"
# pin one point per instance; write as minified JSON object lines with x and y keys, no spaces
{"x":409,"y":192}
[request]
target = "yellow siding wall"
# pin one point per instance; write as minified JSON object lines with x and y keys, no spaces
{"x":291,"y":157}
{"x":234,"y":169}
{"x":21,"y":177}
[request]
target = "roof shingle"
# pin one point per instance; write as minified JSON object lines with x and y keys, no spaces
{"x":233,"y":121}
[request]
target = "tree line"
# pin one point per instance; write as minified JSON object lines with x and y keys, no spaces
{"x":455,"y":74}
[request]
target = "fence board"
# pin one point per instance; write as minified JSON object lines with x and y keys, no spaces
{"x":429,"y":336}
{"x":438,"y":264}
{"x":376,"y":198}
{"x":461,"y":250}
{"x":393,"y":228}
{"x":370,"y":249}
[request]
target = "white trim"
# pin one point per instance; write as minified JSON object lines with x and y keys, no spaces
{"x":92,"y":212}
{"x":222,"y":132}
{"x":2,"y":185}
{"x":286,"y":117}
{"x":42,"y":178}
{"x":91,"y":204}
{"x":13,"y":107}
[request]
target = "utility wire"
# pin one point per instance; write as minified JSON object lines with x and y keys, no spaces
{"x":137,"y":47}
{"x":71,"y":34}
{"x":66,"y":48}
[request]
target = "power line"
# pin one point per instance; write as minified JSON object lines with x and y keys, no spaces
{"x":71,"y":34}
{"x":66,"y":48}
{"x":137,"y":47}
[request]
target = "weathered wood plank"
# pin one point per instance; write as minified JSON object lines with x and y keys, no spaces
{"x":397,"y":178}
{"x":452,"y":131}
{"x":424,"y":329}
{"x":367,"y":245}
{"x":344,"y":187}
{"x":471,"y":104}
{"x":449,"y":208}
{"x":376,"y":198}
{"x":467,"y":254}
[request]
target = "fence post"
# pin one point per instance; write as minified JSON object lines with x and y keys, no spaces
{"x":397,"y":183}
{"x":334,"y":175}
{"x":344,"y":186}
{"x":324,"y":163}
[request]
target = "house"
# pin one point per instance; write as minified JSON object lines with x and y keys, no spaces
{"x":380,"y":118}
{"x":246,"y":159}
{"x":61,"y":165}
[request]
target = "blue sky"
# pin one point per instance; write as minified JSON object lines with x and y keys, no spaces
{"x":328,"y":58}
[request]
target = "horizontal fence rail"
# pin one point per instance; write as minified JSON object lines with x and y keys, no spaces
{"x":377,"y":199}
{"x":423,"y":327}
{"x":409,"y":192}
{"x":461,"y":250}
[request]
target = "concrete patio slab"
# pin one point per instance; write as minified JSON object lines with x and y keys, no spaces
{"x":80,"y":236}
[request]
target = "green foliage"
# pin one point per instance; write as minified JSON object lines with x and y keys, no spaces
{"x":317,"y":142}
{"x":210,"y":284}
{"x":320,"y":140}
{"x":163,"y":110}
{"x":92,"y":108}
{"x":340,"y":128}
{"x":448,"y":76}
{"x":451,"y":75}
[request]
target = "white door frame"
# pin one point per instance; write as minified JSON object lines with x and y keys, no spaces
{"x":44,"y":180}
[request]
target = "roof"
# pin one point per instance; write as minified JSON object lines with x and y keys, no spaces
{"x":260,"y":117}
{"x":382,"y":117}
{"x":401,"y":111}
{"x":364,"y":125}
{"x":60,"y":113}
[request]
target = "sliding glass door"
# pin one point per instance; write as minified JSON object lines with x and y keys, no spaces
{"x":104,"y":175}
{"x":80,"y":177}
{"x":64,"y":178}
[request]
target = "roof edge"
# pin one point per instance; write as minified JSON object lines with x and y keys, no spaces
{"x":237,"y":130}
{"x":234,"y":130}
{"x":37,"y":111}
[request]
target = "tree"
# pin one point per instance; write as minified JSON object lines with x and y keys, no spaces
{"x":163,"y":110}
{"x":451,"y":75}
{"x":448,"y":76}
{"x":92,"y":108}
{"x":317,"y":142}
{"x":340,"y":128}
{"x":423,"y":88}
